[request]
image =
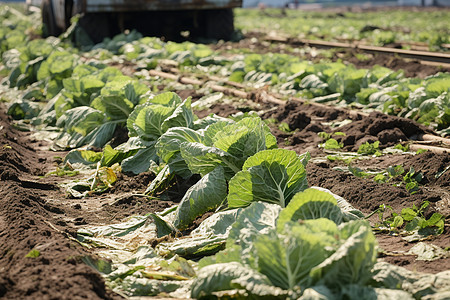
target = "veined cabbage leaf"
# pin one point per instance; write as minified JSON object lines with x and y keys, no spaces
{"x":310,"y":204}
{"x":84,"y":125}
{"x":227,"y":145}
{"x":273,"y":176}
{"x":207,"y":194}
{"x":233,"y":277}
{"x":257,"y":219}
{"x":150,"y":120}
{"x":169,"y":145}
{"x":314,"y":203}
{"x":358,"y":246}
{"x":295,"y":258}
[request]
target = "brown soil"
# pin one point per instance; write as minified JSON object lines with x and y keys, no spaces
{"x":223,"y":110}
{"x":305,"y":122}
{"x":411,"y":67}
{"x":36,"y":215}
{"x":27,"y":222}
{"x":395,"y":243}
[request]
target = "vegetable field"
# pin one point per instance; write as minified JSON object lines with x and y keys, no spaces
{"x":140,"y":167}
{"x":404,"y":27}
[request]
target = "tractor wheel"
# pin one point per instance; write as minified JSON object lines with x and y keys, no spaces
{"x":48,"y":20}
{"x":97,"y":26}
{"x":219,"y":24}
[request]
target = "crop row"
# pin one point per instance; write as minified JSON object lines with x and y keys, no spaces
{"x":372,"y":27}
{"x":425,"y":100}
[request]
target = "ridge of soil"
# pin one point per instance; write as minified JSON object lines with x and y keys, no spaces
{"x":28,"y":221}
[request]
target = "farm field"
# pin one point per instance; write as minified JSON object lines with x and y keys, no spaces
{"x":139,"y":167}
{"x":406,"y":28}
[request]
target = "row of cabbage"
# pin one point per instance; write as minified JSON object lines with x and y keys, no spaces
{"x":371,"y":27}
{"x":425,"y":100}
{"x":48,"y":66}
{"x":323,"y":246}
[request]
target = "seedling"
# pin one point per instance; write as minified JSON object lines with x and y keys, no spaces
{"x":347,"y":160}
{"x":325,"y":136}
{"x":358,"y":172}
{"x":401,"y":147}
{"x":66,"y":170}
{"x":412,"y":180}
{"x":410,"y":219}
{"x":420,"y":151}
{"x":33,"y":253}
{"x":332,"y":144}
{"x":370,"y":149}
{"x":283,"y":126}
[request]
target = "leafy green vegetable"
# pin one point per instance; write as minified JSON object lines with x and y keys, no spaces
{"x":227,"y":145}
{"x":115,"y":107}
{"x":412,"y":220}
{"x":84,"y":125}
{"x":107,"y":235}
{"x":272,"y":254}
{"x":314,"y":252}
{"x":83,"y":157}
{"x":141,"y":161}
{"x":297,"y":254}
{"x":146,"y":120}
{"x":208,"y":238}
{"x":416,"y":284}
{"x":169,"y":148}
{"x":359,"y":245}
{"x":332,"y":144}
{"x":163,"y":228}
{"x":273,"y":176}
{"x":311,"y":204}
{"x":233,"y":277}
{"x":207,"y":194}
{"x":201,"y":159}
{"x":412,"y":180}
{"x":370,"y":149}
{"x":33,"y":253}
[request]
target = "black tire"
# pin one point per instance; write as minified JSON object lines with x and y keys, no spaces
{"x":97,"y":26}
{"x":48,"y":20}
{"x":220,"y":24}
